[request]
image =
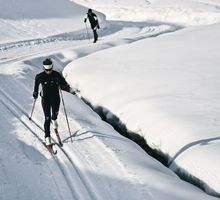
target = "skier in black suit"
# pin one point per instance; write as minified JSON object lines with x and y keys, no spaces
{"x":93,"y":22}
{"x":51,"y":81}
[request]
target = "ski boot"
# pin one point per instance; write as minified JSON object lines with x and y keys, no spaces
{"x":49,"y":145}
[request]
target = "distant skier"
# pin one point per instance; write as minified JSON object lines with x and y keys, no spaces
{"x":93,"y":22}
{"x":50,"y":81}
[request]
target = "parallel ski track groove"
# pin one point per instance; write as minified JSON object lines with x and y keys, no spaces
{"x":41,"y":141}
{"x":53,"y":156}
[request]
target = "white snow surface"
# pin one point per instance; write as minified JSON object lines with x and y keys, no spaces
{"x":155,"y":67}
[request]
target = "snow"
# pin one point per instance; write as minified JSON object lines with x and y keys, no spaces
{"x":155,"y":67}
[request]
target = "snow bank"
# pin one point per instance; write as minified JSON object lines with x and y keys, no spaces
{"x":181,"y":13}
{"x":165,"y":89}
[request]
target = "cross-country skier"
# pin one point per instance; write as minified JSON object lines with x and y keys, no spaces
{"x":93,"y":22}
{"x":51,"y":81}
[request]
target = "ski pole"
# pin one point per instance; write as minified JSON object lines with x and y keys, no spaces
{"x":65,"y":114}
{"x":32,"y":110}
{"x":87,"y":32}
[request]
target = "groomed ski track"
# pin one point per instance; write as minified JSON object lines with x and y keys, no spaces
{"x":113,"y":35}
{"x":37,"y":131}
{"x":80,"y":184}
{"x":86,"y":149}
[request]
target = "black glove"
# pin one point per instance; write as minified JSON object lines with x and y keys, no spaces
{"x":85,"y":20}
{"x":77,"y":90}
{"x":35,"y":95}
{"x":72,"y":91}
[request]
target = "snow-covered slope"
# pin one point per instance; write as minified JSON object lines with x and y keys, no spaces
{"x":96,"y":162}
{"x":170,"y":84}
{"x":24,"y":19}
{"x":175,"y":12}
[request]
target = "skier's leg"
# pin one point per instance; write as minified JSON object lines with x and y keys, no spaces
{"x":55,"y":111}
{"x":95,"y":35}
{"x":46,"y":108}
{"x":55,"y":124}
{"x":48,"y":142}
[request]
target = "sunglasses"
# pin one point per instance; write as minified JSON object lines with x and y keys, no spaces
{"x":48,"y":70}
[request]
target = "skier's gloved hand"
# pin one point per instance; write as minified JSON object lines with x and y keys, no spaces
{"x":72,"y":91}
{"x":98,"y":26}
{"x":35,"y":95}
{"x":77,"y":90}
{"x":85,"y":20}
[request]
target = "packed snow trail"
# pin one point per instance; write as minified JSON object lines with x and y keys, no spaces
{"x":10,"y":112}
{"x":97,"y":165}
{"x":89,"y":168}
{"x":114,"y":34}
{"x":77,"y":165}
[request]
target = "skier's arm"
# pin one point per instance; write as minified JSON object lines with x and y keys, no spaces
{"x":96,"y":20}
{"x":63,"y":84}
{"x":98,"y":24}
{"x":85,"y":18}
{"x":66,"y":87}
{"x":95,"y":17}
{"x":36,"y":87}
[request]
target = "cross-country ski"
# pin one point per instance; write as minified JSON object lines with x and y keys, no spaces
{"x":50,"y":148}
{"x":58,"y":137}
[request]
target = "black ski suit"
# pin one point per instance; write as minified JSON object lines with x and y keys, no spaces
{"x":94,"y":23}
{"x":50,"y":100}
